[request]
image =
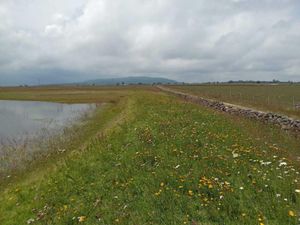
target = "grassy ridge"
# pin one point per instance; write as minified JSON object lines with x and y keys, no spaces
{"x":48,"y":150}
{"x":276,"y":98}
{"x":166,"y":162}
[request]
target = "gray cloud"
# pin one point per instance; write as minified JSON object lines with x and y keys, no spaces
{"x":192,"y":40}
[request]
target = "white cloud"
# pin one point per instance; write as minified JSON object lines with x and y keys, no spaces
{"x":53,"y":30}
{"x":193,"y":40}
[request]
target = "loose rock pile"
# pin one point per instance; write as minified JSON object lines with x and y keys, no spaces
{"x":284,"y":122}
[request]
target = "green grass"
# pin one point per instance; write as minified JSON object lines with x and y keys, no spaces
{"x":18,"y":161}
{"x":277,"y":98}
{"x":160,"y":160}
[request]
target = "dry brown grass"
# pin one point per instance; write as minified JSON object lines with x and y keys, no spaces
{"x":71,"y":94}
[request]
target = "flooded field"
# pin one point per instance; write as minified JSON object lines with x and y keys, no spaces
{"x":23,"y":119}
{"x":28,"y":128}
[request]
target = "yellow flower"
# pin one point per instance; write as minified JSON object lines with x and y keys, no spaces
{"x":190,"y":193}
{"x":261,"y":224}
{"x":81,"y":219}
{"x":291,"y":213}
{"x":158,"y":193}
{"x":162,"y":184}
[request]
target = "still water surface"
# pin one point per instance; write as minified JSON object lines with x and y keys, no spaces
{"x":26,"y":118}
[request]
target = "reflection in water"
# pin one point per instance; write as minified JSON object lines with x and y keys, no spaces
{"x":26,"y":118}
{"x":28,"y":130}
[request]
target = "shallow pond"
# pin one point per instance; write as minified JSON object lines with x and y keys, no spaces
{"x":23,"y":119}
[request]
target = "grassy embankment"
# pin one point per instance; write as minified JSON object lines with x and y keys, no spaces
{"x":277,"y":98}
{"x":19,"y":161}
{"x":166,"y":162}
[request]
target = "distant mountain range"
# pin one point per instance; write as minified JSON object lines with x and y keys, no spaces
{"x":130,"y":80}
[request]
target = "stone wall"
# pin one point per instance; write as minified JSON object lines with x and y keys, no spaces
{"x":284,"y":122}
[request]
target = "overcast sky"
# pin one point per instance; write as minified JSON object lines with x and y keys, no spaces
{"x":46,"y":41}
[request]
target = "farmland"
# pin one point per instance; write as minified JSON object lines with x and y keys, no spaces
{"x":150,"y":158}
{"x":284,"y":99}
